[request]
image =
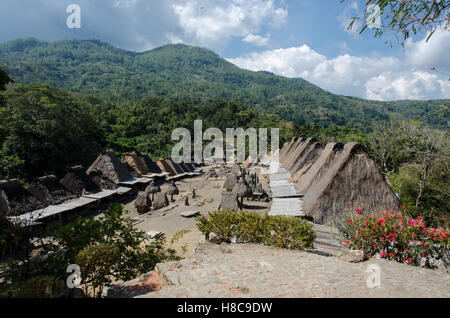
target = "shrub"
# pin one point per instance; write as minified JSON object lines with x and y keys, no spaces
{"x":245,"y":227}
{"x":395,"y":237}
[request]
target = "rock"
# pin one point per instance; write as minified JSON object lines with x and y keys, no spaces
{"x":353,"y":256}
{"x":143,"y":202}
{"x":188,"y":214}
{"x":225,"y":249}
{"x":186,"y":201}
{"x":229,"y":201}
{"x":161,"y":200}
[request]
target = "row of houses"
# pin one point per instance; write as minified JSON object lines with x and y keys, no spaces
{"x":107,"y":179}
{"x":333,"y":178}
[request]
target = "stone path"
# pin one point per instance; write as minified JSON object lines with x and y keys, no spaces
{"x":244,"y":270}
{"x":285,"y":200}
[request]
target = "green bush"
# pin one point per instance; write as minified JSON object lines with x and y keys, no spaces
{"x":245,"y":227}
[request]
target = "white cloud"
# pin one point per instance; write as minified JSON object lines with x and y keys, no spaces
{"x":212,"y":23}
{"x":385,"y":78}
{"x":256,"y":40}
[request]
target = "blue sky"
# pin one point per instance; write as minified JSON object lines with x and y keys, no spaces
{"x":294,"y":38}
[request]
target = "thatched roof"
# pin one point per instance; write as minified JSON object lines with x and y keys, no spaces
{"x":111,"y":167}
{"x":310,"y":154}
{"x":174,"y":166}
{"x":297,"y":153}
{"x":137,"y":163}
{"x":50,"y":191}
{"x":101,"y":181}
{"x":343,"y":179}
{"x":20,"y":200}
{"x":77,"y":181}
{"x":165,"y":167}
{"x":133,"y":172}
{"x":151,"y":165}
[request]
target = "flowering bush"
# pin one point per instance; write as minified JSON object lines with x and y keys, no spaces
{"x":393,"y":236}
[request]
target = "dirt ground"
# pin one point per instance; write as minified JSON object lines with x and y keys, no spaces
{"x":208,"y":198}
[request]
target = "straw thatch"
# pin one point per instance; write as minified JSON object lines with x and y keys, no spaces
{"x":301,"y":152}
{"x":111,"y":167}
{"x":308,"y":174}
{"x":288,"y":149}
{"x":310,"y":154}
{"x":151,"y":165}
{"x":350,"y":179}
{"x":4,"y":204}
{"x":143,"y":202}
{"x":78,"y":182}
{"x":48,"y":190}
{"x":230,"y":182}
{"x":133,"y":172}
{"x":174,"y":167}
{"x":162,"y":164}
{"x":101,"y":181}
{"x":20,"y":200}
{"x":137,"y":163}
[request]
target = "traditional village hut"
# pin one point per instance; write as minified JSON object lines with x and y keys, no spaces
{"x":175,"y":167}
{"x":19,"y":200}
{"x":78,"y":182}
{"x":137,"y":163}
{"x":133,"y":172}
{"x":107,"y":166}
{"x":344,"y":178}
{"x":153,"y":168}
{"x":48,"y":190}
{"x":310,"y":154}
{"x":162,"y":164}
{"x":243,"y":191}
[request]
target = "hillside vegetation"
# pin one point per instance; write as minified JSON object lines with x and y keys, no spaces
{"x":197,"y":74}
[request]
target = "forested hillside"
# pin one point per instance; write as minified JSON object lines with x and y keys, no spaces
{"x":184,"y":72}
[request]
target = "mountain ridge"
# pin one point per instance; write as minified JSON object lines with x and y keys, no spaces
{"x":181,"y":71}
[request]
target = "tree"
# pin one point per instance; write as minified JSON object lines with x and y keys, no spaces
{"x":4,"y":80}
{"x":405,"y":17}
{"x":49,"y":129}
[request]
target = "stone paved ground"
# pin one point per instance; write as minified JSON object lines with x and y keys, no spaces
{"x":245,"y":270}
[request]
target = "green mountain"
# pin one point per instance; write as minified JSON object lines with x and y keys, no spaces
{"x":184,"y":72}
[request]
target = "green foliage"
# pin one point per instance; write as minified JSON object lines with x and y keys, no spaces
{"x":96,"y":264}
{"x":188,"y":73}
{"x":36,"y":287}
{"x":4,"y":80}
{"x":248,"y":227}
{"x":135,"y":255}
{"x":48,"y":130}
{"x":406,"y":18}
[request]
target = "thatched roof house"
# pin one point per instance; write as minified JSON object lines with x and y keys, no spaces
{"x":78,"y":182}
{"x":133,"y":172}
{"x":19,"y":200}
{"x":137,"y":163}
{"x":151,"y":165}
{"x":336,"y":178}
{"x":162,"y":164}
{"x":110,"y":167}
{"x":48,"y":190}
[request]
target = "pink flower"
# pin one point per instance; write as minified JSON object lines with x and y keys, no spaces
{"x":358,"y":211}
